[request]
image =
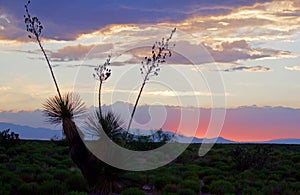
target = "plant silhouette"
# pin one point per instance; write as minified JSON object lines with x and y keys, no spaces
{"x":151,"y":66}
{"x":102,"y":73}
{"x":35,"y":27}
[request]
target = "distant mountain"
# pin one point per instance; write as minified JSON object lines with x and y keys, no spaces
{"x":32,"y":133}
{"x":283,"y":141}
{"x":220,"y":140}
{"x":182,"y":138}
{"x":26,"y":132}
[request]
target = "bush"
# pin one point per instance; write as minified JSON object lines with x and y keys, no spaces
{"x":76,"y":193}
{"x":221,"y":187}
{"x":132,"y":191}
{"x":52,"y":187}
{"x":186,"y":192}
{"x":191,"y":175}
{"x":28,"y":188}
{"x":8,"y":139}
{"x":190,"y":184}
{"x":170,"y":188}
{"x":160,"y":182}
{"x":76,"y":182}
{"x":61,"y":175}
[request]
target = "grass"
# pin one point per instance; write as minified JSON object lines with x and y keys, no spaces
{"x":44,"y":167}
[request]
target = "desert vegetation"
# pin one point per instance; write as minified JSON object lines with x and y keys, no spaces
{"x":45,"y":167}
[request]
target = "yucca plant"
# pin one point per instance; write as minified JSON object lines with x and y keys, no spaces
{"x":64,"y":110}
{"x":102,"y":73}
{"x":151,"y":66}
{"x":61,"y":109}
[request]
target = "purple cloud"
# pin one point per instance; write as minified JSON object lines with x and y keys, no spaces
{"x":65,"y":20}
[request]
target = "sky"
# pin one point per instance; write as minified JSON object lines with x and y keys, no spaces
{"x":234,"y":55}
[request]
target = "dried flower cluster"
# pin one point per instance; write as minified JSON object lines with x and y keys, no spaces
{"x":160,"y":50}
{"x":33,"y":25}
{"x":102,"y":72}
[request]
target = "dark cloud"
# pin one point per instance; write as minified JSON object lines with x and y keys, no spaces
{"x":248,"y":69}
{"x":65,"y":20}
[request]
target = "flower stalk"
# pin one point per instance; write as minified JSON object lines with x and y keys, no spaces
{"x":151,"y":66}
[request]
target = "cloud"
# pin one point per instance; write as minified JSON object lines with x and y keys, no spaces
{"x":292,"y":68}
{"x":248,"y":69}
{"x":227,"y":35}
{"x":241,"y":50}
{"x":259,"y":22}
{"x":80,"y":52}
{"x":4,"y":88}
{"x":68,"y":23}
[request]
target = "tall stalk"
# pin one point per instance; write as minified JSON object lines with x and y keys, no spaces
{"x":151,"y":66}
{"x":102,"y":73}
{"x":35,"y":27}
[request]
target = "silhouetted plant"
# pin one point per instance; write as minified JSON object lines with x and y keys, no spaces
{"x":8,"y":139}
{"x":151,"y":66}
{"x":102,"y":73}
{"x":35,"y":27}
{"x":60,"y":110}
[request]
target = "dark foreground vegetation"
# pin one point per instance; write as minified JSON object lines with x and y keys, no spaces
{"x":44,"y":167}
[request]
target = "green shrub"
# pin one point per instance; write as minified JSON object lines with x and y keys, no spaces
{"x":174,"y":179}
{"x":186,"y":192}
{"x":4,"y":158}
{"x":249,"y":191}
{"x":133,"y":191}
{"x":221,"y":187}
{"x":61,"y":175}
{"x":190,"y":184}
{"x":40,"y":178}
{"x":190,"y":175}
{"x":76,"y":182}
{"x":52,"y":187}
{"x":76,"y":193}
{"x":205,"y":189}
{"x":170,"y":188}
{"x":28,"y":188}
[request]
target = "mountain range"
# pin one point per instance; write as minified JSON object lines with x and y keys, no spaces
{"x":32,"y":133}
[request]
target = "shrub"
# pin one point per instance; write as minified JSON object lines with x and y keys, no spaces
{"x":76,"y":182}
{"x":186,"y":192}
{"x":221,"y":187}
{"x":132,"y":191}
{"x":190,"y":184}
{"x":170,"y":188}
{"x":61,"y":175}
{"x":43,"y":177}
{"x":52,"y":187}
{"x":8,"y":139}
{"x":76,"y":193}
{"x":28,"y":188}
{"x":190,"y":175}
{"x":160,"y":182}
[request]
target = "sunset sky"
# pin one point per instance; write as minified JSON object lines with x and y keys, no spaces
{"x":236,"y":54}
